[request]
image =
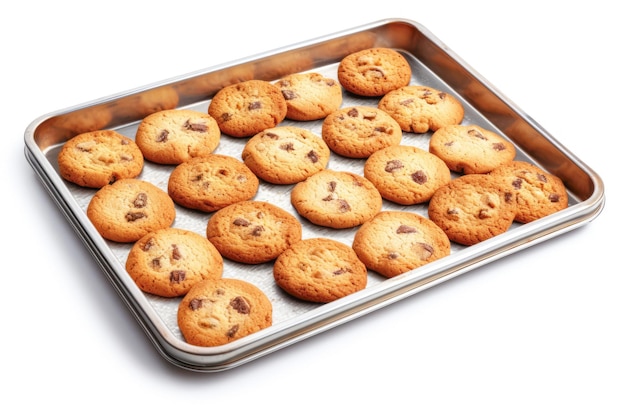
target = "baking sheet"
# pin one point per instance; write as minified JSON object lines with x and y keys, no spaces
{"x":432,"y":65}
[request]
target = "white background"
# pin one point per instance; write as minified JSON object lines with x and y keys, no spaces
{"x":539,"y":333}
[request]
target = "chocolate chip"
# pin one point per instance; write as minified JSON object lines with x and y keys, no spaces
{"x":407,"y":102}
{"x":178,"y":276}
{"x":195,"y":304}
{"x":517,"y":183}
{"x":257,"y":231}
{"x":289,"y":95}
{"x":477,"y":134}
{"x":232,"y":331}
{"x":542,"y":178}
{"x":241,"y":222}
{"x":393,"y":165}
{"x":499,"y":146}
{"x":344,"y":207}
{"x":340,"y":271}
{"x":132,"y":216}
{"x":196,"y":127}
{"x":353,"y":112}
{"x":287,"y":146}
{"x":162,"y":136}
{"x":176,"y":253}
{"x":403,"y":228}
{"x":156,"y":263}
{"x":141,"y":200}
{"x":313,"y":156}
{"x":554,"y":198}
{"x":240,"y":305}
{"x":419,"y":177}
{"x":147,"y":245}
{"x":393,"y":255}
{"x":255,"y":105}
{"x":424,"y":250}
{"x":332,"y":186}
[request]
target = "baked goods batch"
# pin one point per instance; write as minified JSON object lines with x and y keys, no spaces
{"x":469,"y":181}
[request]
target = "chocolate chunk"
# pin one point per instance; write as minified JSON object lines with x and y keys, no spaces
{"x":313,"y":156}
{"x":424,"y":250}
{"x":176,"y":253}
{"x":141,"y":200}
{"x":162,"y":136}
{"x":240,"y":305}
{"x":257,"y":231}
{"x":517,"y":183}
{"x":477,"y":134}
{"x":255,"y":105}
{"x":393,"y":165}
{"x":344,"y":207}
{"x":287,"y":146}
{"x":177,"y":276}
{"x":232,"y":331}
{"x":499,"y":146}
{"x":196,"y":127}
{"x":132,"y":216}
{"x":241,"y":222}
{"x":554,"y":198}
{"x":353,"y":112}
{"x":289,"y":94}
{"x":146,"y":246}
{"x":195,"y":304}
{"x":403,"y":228}
{"x":419,"y":177}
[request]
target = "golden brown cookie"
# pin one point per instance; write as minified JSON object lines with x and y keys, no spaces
{"x":175,"y":136}
{"x":95,"y":159}
{"x":285,"y":154}
{"x":310,"y":96}
{"x":394,"y":242}
{"x":359,"y":131}
{"x":320,"y":270}
{"x":130,"y":208}
{"x":211,"y":182}
{"x":336,"y":199}
{"x":374,"y":72}
{"x":217,"y":312}
{"x":472,"y":208}
{"x":419,"y":108}
{"x":168,"y":262}
{"x":406,"y":174}
{"x":536,"y":193}
{"x":471,"y":149}
{"x":253,"y":232}
{"x":247,"y":108}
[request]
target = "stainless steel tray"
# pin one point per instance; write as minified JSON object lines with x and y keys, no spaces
{"x":433,"y":64}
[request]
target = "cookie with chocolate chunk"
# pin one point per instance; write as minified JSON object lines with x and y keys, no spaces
{"x":473,"y":208}
{"x":359,"y":131}
{"x":175,"y":136}
{"x":319,"y":270}
{"x":374,"y":72}
{"x":95,"y":159}
{"x":168,"y":262}
{"x":394,"y":242}
{"x":211,"y":182}
{"x":336,"y":199}
{"x":217,"y":312}
{"x":471,"y":149}
{"x":247,"y":108}
{"x":406,"y":174}
{"x":310,"y":95}
{"x":130,"y":208}
{"x":536,"y":193}
{"x":419,"y":108}
{"x":253,"y":232}
{"x":285,"y":154}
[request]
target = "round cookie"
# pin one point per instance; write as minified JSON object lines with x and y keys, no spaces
{"x":336,"y":199}
{"x":95,"y":159}
{"x":175,"y":136}
{"x":394,"y":242}
{"x":253,"y":232}
{"x":406,"y":174}
{"x":471,"y":149}
{"x":216,"y":312}
{"x":246,"y":108}
{"x":168,"y":262}
{"x":472,"y":208}
{"x":310,"y":96}
{"x":209,"y":183}
{"x":373,"y":72}
{"x":419,"y":109}
{"x":536,"y":193}
{"x":359,"y":131}
{"x":320,"y":270}
{"x":285,"y":154}
{"x":130,"y":208}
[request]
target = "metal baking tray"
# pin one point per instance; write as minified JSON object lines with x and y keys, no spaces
{"x":433,"y":64}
